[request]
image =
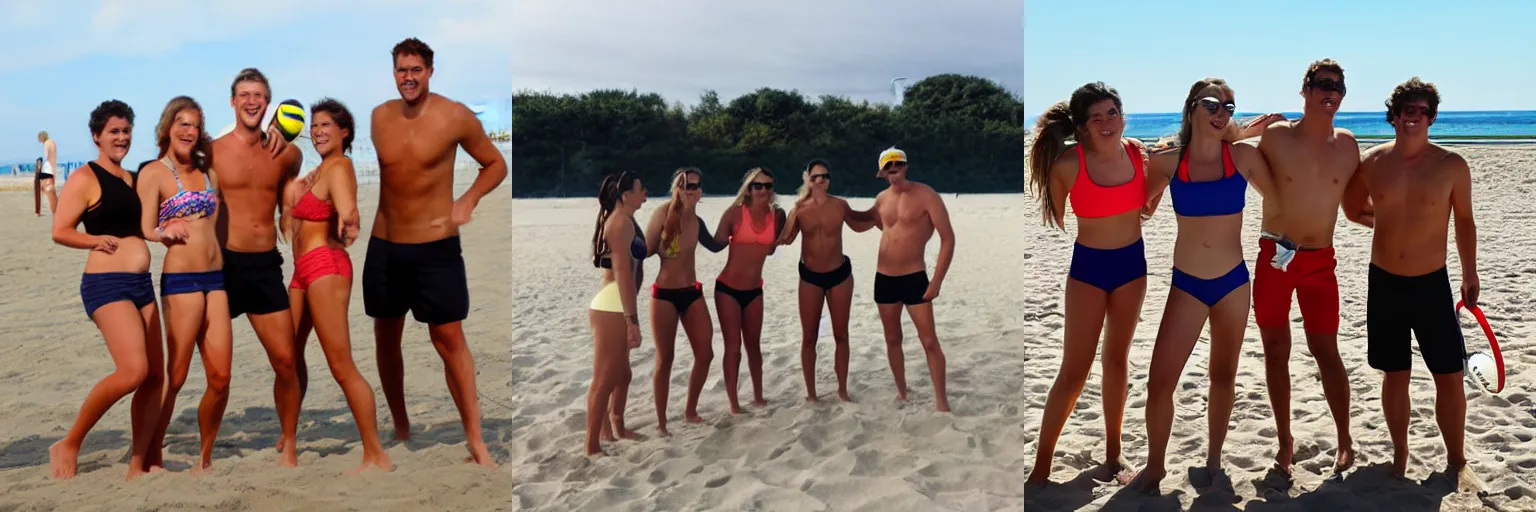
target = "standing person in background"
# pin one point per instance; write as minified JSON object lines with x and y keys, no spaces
{"x":48,"y":167}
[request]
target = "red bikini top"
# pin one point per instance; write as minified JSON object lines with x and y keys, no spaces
{"x":1092,"y":201}
{"x":312,"y":208}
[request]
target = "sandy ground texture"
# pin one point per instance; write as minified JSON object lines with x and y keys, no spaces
{"x":789,"y":455}
{"x":52,"y":354}
{"x":1500,"y":428}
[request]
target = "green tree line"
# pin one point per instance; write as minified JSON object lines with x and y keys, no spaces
{"x":961,"y":134}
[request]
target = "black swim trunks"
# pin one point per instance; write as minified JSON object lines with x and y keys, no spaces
{"x":253,"y":281}
{"x":907,"y":289}
{"x":827,"y":280}
{"x":1396,"y":305}
{"x":428,"y":279}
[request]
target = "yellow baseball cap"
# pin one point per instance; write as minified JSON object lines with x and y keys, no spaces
{"x":892,"y":155}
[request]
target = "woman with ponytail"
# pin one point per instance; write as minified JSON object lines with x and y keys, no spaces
{"x":1104,"y":177}
{"x":752,"y":227}
{"x":674,"y":231}
{"x":826,"y":274}
{"x":612,"y":314}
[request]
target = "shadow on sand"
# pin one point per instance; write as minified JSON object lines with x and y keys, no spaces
{"x":253,"y":430}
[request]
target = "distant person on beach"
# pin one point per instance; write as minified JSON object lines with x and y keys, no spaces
{"x":414,"y":259}
{"x":908,"y":214}
{"x":37,"y":188}
{"x":180,"y":207}
{"x":254,"y":168}
{"x":116,"y":290}
{"x":1207,"y":177}
{"x":619,"y":248}
{"x":826,"y":274}
{"x":751,"y":226}
{"x":321,"y":222}
{"x":673,"y":233}
{"x":1103,"y":176}
{"x":1406,"y":190}
{"x":1311,"y":162}
{"x":47,"y":169}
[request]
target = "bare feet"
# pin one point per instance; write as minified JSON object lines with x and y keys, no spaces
{"x":1149,"y":481}
{"x":1284,"y":454}
{"x":693,"y":418}
{"x":62,"y":459}
{"x":380,"y":461}
{"x":402,"y":432}
{"x":1466,"y":480}
{"x":1400,"y":464}
{"x":843,"y":395}
{"x":1038,"y":478}
{"x":1121,"y":470}
{"x":202,"y":467}
{"x":155,"y":469}
{"x":288,"y":456}
{"x":629,"y":434}
{"x":942,"y":404}
{"x":759,"y":402}
{"x":901,"y":395}
{"x":735,"y":410}
{"x":662,"y":431}
{"x":478,"y":455}
{"x":1345,"y":458}
{"x":811,"y":399}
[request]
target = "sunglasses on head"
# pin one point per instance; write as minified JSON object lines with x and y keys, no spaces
{"x":759,"y":185}
{"x":1327,"y":84}
{"x":1212,"y":105}
{"x":825,"y":176}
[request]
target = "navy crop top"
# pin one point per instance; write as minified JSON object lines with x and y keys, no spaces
{"x":1224,"y":196}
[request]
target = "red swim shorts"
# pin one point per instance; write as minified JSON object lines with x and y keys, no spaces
{"x":1310,"y":275}
{"x":318,"y":263}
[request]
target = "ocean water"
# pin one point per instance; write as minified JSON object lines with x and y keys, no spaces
{"x":1479,"y":125}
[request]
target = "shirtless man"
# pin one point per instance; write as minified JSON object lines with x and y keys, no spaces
{"x":414,"y":260}
{"x":1312,"y":162}
{"x":251,"y":171}
{"x":1406,"y":190}
{"x":826,"y":274}
{"x":48,"y":167}
{"x":908,"y":213}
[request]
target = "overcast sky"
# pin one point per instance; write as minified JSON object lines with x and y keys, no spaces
{"x":680,"y":48}
{"x":64,"y":57}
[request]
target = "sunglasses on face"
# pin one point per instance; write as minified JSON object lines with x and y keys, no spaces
{"x":821,"y":177}
{"x":1328,"y":84}
{"x":1212,"y":105}
{"x":1415,"y":110}
{"x":691,"y":185}
{"x":759,"y":185}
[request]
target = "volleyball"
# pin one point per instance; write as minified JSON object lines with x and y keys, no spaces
{"x":1484,"y":371}
{"x":288,"y":117}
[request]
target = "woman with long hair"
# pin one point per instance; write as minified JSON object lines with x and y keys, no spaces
{"x":115,"y":288}
{"x":1208,"y":178}
{"x":826,"y":274}
{"x":322,"y":221}
{"x":619,"y":248}
{"x":1104,"y":177}
{"x":674,"y":232}
{"x":751,"y":226}
{"x":180,"y":207}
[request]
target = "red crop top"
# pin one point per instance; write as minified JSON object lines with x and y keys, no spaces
{"x":1092,"y":201}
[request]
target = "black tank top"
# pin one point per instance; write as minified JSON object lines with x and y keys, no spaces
{"x":117,"y":212}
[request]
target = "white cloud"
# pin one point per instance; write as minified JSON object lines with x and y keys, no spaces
{"x":681,"y":47}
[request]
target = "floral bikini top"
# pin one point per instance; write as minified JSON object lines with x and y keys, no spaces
{"x":188,"y":204}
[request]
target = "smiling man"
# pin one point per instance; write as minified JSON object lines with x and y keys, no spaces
{"x":414,"y":261}
{"x":1312,"y":162}
{"x":1406,"y":190}
{"x":253,"y":167}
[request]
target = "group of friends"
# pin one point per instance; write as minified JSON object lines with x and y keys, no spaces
{"x":215,"y":205}
{"x":908,"y":214}
{"x":1405,"y":189}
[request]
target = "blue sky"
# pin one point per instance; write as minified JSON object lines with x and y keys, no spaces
{"x":1481,"y":55}
{"x":65,"y":57}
